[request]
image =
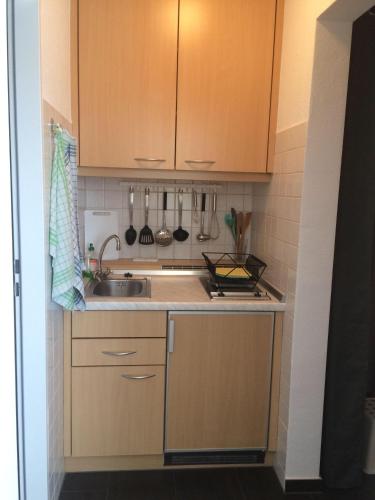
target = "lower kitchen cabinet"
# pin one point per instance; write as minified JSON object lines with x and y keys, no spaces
{"x":117,"y":410}
{"x":123,"y":407}
{"x":218,"y":381}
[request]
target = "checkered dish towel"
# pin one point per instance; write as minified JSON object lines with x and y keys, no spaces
{"x":67,"y":283}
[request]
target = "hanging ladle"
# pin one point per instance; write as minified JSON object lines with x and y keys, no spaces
{"x":201,"y":237}
{"x":180,"y":234}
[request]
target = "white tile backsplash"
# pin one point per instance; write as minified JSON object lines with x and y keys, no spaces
{"x":275,"y":238}
{"x":109,"y":193}
{"x":55,"y":346}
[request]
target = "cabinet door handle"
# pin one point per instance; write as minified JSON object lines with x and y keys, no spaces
{"x":197,"y":163}
{"x":171,"y":335}
{"x":119,"y":354}
{"x":137,"y":377}
{"x":150,"y":159}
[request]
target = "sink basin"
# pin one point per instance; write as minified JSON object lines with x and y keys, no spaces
{"x":123,"y":288}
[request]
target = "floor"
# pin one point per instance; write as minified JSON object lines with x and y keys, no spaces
{"x":202,"y":484}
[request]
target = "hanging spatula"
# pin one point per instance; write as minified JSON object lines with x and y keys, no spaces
{"x":131,"y":233}
{"x":145,"y":236}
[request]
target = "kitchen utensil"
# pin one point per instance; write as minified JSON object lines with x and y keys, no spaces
{"x":234,"y":215}
{"x":99,"y":224}
{"x":194,"y":196}
{"x":214,"y":230}
{"x":164,"y":236}
{"x":246,"y":221}
{"x":240,"y":232}
{"x":202,"y":236}
{"x":243,"y":221}
{"x":229,"y":221}
{"x":145,"y":236}
{"x":131,"y":233}
{"x":180,"y":234}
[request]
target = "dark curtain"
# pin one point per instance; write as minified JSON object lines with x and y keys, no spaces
{"x":351,"y":333}
{"x":371,"y":364}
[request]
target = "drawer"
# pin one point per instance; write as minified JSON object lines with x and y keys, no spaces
{"x":92,"y":324}
{"x":125,"y":352}
{"x":117,"y":411}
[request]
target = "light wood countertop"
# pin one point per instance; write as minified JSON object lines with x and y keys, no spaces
{"x":179,"y":293}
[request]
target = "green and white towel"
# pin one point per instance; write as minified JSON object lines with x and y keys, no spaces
{"x":67,"y":282}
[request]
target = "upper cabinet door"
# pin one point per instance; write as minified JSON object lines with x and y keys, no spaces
{"x":127,"y":82}
{"x":224,"y":84}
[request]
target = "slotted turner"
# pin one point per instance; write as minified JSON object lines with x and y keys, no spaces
{"x":145,"y":236}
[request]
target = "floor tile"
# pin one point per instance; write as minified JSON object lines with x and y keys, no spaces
{"x":86,"y":481}
{"x":301,"y":496}
{"x":84,"y":495}
{"x":141,"y":485}
{"x":260,"y":483}
{"x":195,"y":484}
{"x":213,"y":484}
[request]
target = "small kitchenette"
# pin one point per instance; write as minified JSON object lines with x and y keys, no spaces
{"x":174,"y":377}
{"x":173,"y":355}
{"x":175,"y":359}
{"x":189,"y":184}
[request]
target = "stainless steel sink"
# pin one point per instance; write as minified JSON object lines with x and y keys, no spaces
{"x":134,"y":287}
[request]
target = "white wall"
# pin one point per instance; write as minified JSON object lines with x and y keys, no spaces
{"x":315,"y":65}
{"x":297,"y":60}
{"x":317,"y":236}
{"x":275,"y":236}
{"x":56,"y":104}
{"x":55,"y":19}
{"x":276,"y":229}
{"x":55,"y":344}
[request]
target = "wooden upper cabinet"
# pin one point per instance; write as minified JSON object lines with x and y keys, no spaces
{"x":127,"y":82}
{"x":224,"y":84}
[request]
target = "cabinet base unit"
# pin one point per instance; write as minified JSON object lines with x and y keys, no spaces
{"x":220,"y":457}
{"x":218,"y":381}
{"x":117,"y":410}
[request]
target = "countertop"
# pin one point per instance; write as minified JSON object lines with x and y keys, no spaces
{"x":182,"y":293}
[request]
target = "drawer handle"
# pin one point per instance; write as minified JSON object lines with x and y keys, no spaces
{"x":119,"y":354}
{"x":137,"y":377}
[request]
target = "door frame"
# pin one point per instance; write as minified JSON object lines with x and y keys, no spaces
{"x":29,"y":225}
{"x":9,"y":463}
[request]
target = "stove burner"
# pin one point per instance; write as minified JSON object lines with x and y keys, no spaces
{"x":218,"y":291}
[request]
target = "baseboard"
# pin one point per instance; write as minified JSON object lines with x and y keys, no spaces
{"x":222,"y":457}
{"x":154,"y":462}
{"x":303,"y":485}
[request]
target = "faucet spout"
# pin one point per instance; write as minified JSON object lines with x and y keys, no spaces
{"x":102,"y":248}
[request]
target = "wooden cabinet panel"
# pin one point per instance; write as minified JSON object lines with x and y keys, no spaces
{"x":224,"y":84}
{"x":92,"y":324}
{"x":219,"y":381}
{"x":127,"y":82}
{"x":113,"y":415}
{"x":110,"y":352}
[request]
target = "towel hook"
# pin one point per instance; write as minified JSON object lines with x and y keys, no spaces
{"x":54,"y":127}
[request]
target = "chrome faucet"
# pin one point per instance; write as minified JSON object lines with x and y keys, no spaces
{"x":100,"y":274}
